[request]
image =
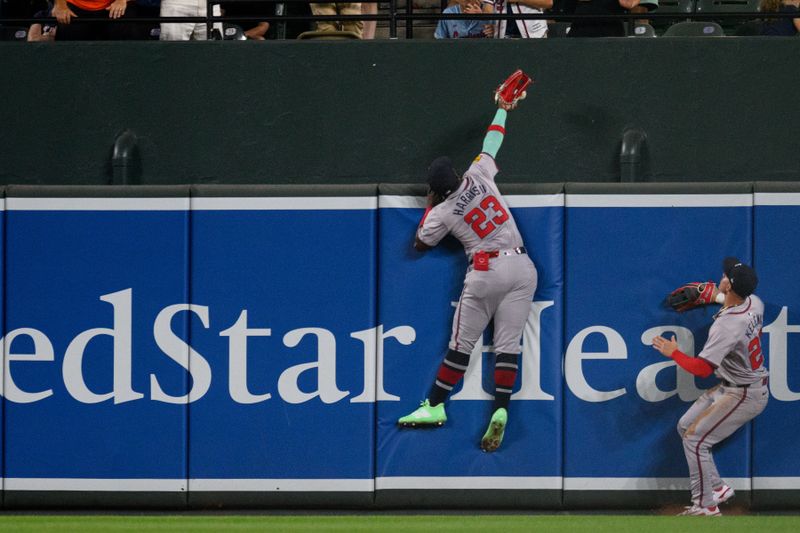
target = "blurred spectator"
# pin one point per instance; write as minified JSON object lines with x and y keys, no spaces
{"x":22,"y":9}
{"x":42,"y":31}
{"x":354,"y":8}
{"x":39,"y":32}
{"x":369,"y":8}
{"x":461,"y":29}
{"x":780,"y":26}
{"x":253,"y":29}
{"x":73,"y":20}
{"x":598,"y":27}
{"x":186,"y":31}
{"x":645,"y":6}
{"x":521,"y":28}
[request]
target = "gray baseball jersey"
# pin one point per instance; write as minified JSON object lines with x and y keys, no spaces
{"x":478,"y":216}
{"x":733,"y":347}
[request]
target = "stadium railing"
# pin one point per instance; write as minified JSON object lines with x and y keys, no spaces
{"x":731,"y":14}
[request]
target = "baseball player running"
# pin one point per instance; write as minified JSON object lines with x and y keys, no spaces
{"x":732,"y":352}
{"x":500,"y":280}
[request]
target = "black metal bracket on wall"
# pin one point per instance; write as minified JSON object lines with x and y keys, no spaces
{"x":632,"y":155}
{"x":125,"y":159}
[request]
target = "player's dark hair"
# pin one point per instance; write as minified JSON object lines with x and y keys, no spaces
{"x":442,"y":177}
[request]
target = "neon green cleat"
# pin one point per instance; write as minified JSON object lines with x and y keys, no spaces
{"x":424,"y":416}
{"x":494,"y":433}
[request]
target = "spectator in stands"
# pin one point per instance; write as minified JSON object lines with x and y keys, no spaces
{"x":254,"y":30}
{"x":186,"y":31}
{"x":42,"y":31}
{"x":463,"y":29}
{"x":780,"y":26}
{"x":369,"y":8}
{"x":354,"y":8}
{"x":645,"y":6}
{"x":73,"y":20}
{"x":521,"y":28}
{"x":598,"y":27}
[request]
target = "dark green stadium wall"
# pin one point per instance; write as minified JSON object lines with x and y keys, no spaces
{"x":363,"y":112}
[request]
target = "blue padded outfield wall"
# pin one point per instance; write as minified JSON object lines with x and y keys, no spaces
{"x":253,"y":346}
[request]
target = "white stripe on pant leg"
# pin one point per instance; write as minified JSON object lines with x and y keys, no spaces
{"x":443,"y":385}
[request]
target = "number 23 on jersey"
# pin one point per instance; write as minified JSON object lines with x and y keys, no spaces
{"x":484,"y":219}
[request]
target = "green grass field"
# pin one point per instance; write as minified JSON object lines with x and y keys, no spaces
{"x":460,"y":523}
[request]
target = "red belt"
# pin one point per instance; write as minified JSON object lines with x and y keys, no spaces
{"x":519,"y":250}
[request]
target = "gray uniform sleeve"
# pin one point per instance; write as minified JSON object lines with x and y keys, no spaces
{"x":433,"y":228}
{"x":483,"y":166}
{"x":720,"y":343}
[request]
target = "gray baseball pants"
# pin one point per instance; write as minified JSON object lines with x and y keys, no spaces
{"x":713,"y":417}
{"x":505,"y":293}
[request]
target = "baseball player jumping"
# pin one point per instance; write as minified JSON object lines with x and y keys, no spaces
{"x":500,"y":280}
{"x":732,"y":352}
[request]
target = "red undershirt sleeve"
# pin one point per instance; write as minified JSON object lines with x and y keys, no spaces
{"x":694,"y":365}
{"x":425,"y":215}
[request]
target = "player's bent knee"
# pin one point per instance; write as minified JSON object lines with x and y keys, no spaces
{"x":684,"y":423}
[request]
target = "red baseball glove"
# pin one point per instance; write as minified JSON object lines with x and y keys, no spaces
{"x":511,"y":91}
{"x":691,"y":295}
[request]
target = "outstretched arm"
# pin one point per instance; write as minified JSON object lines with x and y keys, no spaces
{"x":507,"y":96}
{"x":495,"y":134}
{"x":695,"y":365}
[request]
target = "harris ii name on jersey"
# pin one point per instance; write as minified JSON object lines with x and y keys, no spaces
{"x":472,"y":191}
{"x":754,"y":325}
